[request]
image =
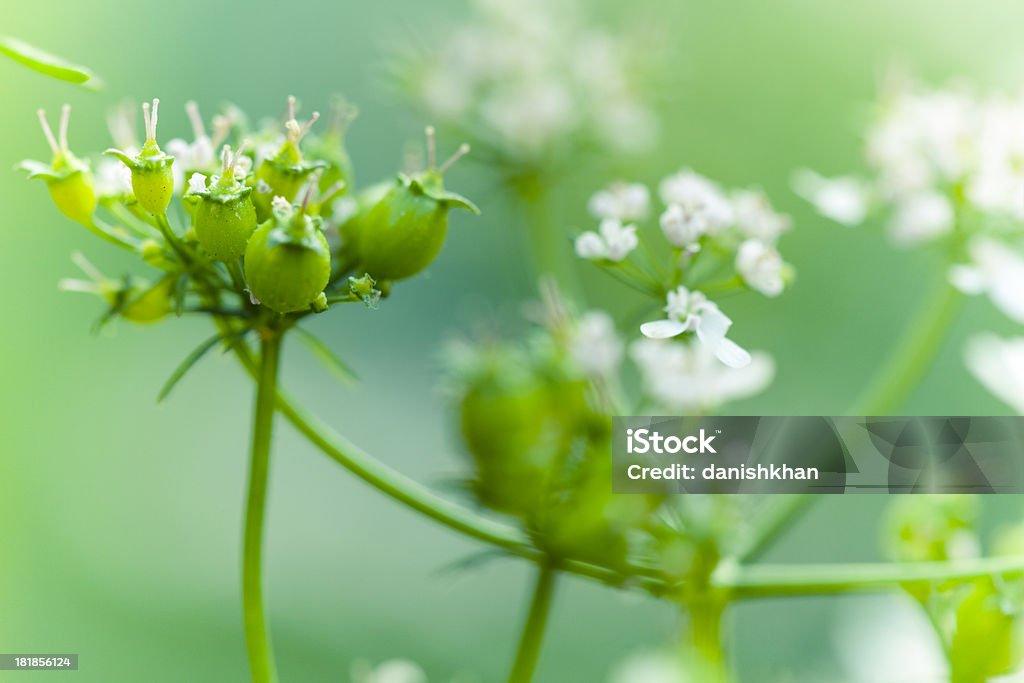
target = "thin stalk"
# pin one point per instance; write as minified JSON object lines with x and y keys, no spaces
{"x":548,"y":243}
{"x":257,"y":635}
{"x":536,"y":623}
{"x":915,"y":353}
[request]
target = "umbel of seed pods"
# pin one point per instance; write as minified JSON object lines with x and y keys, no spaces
{"x":273,"y":247}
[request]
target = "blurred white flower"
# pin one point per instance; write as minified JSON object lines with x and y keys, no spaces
{"x":687,"y":376}
{"x":921,"y":217}
{"x":623,"y":201}
{"x":112,"y":178}
{"x":197,"y":182}
{"x":999,"y":365}
{"x":683,"y":228}
{"x":700,"y":199}
{"x":392,"y":671}
{"x":756,"y":218}
{"x":889,"y":640}
{"x":199,"y":155}
{"x":692,"y":312}
{"x":761,"y":267}
{"x":843,"y":200}
{"x":613,"y":241}
{"x":595,"y":345}
{"x":650,"y":667}
{"x":527,"y":77}
{"x":997,"y":270}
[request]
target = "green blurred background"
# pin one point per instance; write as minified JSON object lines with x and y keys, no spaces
{"x":120,"y":519}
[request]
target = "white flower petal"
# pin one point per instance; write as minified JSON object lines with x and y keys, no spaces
{"x":590,"y":246}
{"x":731,"y":353}
{"x":662,"y":329}
{"x":712,"y":324}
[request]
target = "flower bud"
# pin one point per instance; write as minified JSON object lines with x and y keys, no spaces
{"x":402,"y":233}
{"x":284,"y":174}
{"x":224,"y":216}
{"x":67,"y":177}
{"x":152,"y":174}
{"x":133,"y":299}
{"x":287,"y":260}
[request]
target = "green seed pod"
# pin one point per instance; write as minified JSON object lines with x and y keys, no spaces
{"x":225,"y":216}
{"x":284,"y":174}
{"x":67,"y":177}
{"x":152,"y":177}
{"x":338,"y":175}
{"x":146,"y":305}
{"x":287,"y":260}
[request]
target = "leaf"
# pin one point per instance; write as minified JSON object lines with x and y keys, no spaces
{"x":45,"y":63}
{"x":186,"y":365}
{"x":338,"y":367}
{"x":983,"y":645}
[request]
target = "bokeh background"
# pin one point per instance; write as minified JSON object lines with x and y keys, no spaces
{"x":120,"y":518}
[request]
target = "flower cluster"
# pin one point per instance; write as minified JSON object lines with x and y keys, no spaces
{"x":259,"y":241}
{"x":717,"y":241}
{"x":528,"y":77}
{"x":948,"y":165}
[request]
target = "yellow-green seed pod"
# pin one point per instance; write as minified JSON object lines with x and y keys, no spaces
{"x":67,"y":178}
{"x":284,"y":174}
{"x":287,"y":260}
{"x":152,"y":175}
{"x":224,"y":216}
{"x":147,"y":305}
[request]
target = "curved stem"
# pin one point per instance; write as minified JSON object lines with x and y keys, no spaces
{"x":536,"y":622}
{"x":257,"y":636}
{"x":914,"y":354}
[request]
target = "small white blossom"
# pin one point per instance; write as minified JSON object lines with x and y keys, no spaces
{"x":698,"y":196}
{"x":683,"y":228}
{"x":843,"y":200}
{"x":996,"y":270}
{"x":650,"y":667}
{"x":112,"y":178}
{"x":756,"y":218}
{"x":999,"y":365}
{"x":921,"y":217}
{"x":197,"y":182}
{"x":687,"y":377}
{"x":613,"y":241}
{"x":622,"y":201}
{"x":595,"y":345}
{"x":392,"y":671}
{"x":761,"y":267}
{"x":691,"y":311}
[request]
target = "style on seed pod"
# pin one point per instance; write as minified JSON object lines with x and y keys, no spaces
{"x":283,"y":174}
{"x":224,"y":217}
{"x":287,"y":260}
{"x":152,"y":174}
{"x":67,"y":178}
{"x":338,"y":175}
{"x":403,"y":231}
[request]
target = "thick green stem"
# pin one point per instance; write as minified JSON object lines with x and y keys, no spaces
{"x":536,"y":622}
{"x":908,"y":363}
{"x":702,"y":646}
{"x":257,"y":634}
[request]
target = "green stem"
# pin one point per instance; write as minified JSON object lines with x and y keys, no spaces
{"x":914,"y":354}
{"x":536,"y":622}
{"x":257,"y":636}
{"x":549,"y":243}
{"x":703,"y":644}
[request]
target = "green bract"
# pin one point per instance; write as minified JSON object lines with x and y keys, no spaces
{"x":224,"y":216}
{"x":67,"y":177}
{"x":152,"y":178}
{"x":288,"y":261}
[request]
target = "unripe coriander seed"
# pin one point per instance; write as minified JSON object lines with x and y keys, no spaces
{"x":67,"y":177}
{"x":152,"y":177}
{"x":225,"y":216}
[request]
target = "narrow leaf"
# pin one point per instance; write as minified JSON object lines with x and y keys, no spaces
{"x":186,"y":365}
{"x":324,"y":354}
{"x":43,"y":62}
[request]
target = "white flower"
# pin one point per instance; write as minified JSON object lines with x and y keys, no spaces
{"x":921,"y":217}
{"x":112,"y":178}
{"x":197,"y":155}
{"x":693,"y":312}
{"x":197,"y":182}
{"x":761,"y":267}
{"x":393,"y":671}
{"x":843,"y":200}
{"x":997,"y":270}
{"x":595,"y":345}
{"x":623,"y":201}
{"x":650,"y":667}
{"x":755,"y":217}
{"x":687,"y":377}
{"x":999,"y":365}
{"x":683,"y":228}
{"x":613,"y":241}
{"x":695,"y":194}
